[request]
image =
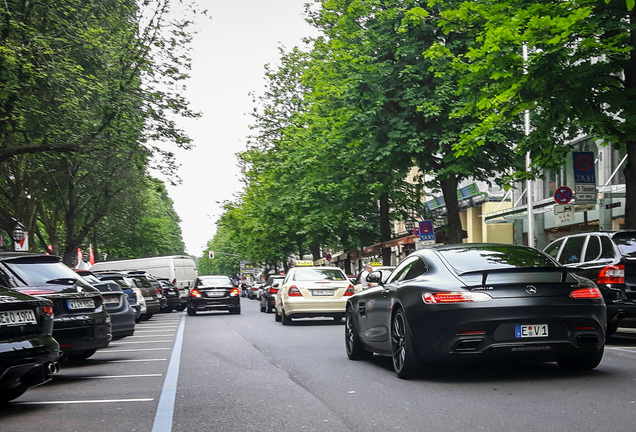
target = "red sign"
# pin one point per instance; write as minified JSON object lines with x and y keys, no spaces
{"x":563,"y":195}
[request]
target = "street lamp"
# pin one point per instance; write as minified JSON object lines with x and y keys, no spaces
{"x":18,"y":234}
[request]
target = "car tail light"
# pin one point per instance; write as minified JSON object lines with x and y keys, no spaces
{"x":47,"y":310}
{"x":235,"y":292}
{"x":455,"y":297}
{"x":586,"y":293}
{"x":350,"y":290}
{"x":272,"y":290}
{"x":613,"y":274}
{"x":294,"y":292}
{"x":35,"y":291}
{"x":195,"y":293}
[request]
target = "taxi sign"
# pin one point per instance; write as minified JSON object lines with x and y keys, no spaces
{"x":304,"y":262}
{"x":375,"y":264}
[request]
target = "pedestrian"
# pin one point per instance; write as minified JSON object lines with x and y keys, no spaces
{"x":363,"y":276}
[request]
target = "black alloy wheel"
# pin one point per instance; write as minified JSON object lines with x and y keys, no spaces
{"x":405,"y":359}
{"x":353,"y":345}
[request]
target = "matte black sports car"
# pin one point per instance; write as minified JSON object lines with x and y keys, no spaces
{"x":28,"y":353}
{"x":478,"y":301}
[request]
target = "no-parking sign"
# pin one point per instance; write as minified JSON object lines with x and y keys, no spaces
{"x":426,"y":230}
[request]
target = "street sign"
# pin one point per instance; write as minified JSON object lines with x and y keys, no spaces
{"x":584,"y":177}
{"x":563,"y":209}
{"x":426,"y":230}
{"x":563,"y":195}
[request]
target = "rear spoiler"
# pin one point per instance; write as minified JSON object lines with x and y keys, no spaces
{"x":485,"y":273}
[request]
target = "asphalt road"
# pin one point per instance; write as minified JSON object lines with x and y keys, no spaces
{"x":221,"y":372}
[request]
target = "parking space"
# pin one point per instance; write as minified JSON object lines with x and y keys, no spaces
{"x":117,"y":389}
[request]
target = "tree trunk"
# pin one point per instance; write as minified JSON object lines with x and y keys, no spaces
{"x":449,"y":189}
{"x":630,"y":189}
{"x":385,"y":228}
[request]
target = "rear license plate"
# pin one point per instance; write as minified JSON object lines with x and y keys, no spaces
{"x":216,"y":293}
{"x":17,"y":317}
{"x":80,"y":304}
{"x":322,"y":292}
{"x":111,"y":300}
{"x":531,"y":331}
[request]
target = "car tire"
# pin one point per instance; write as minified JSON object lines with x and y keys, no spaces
{"x":285,"y":319}
{"x":269,"y":309}
{"x":353,"y":345}
{"x":192,"y":312}
{"x":11,"y":394}
{"x":405,"y":358}
{"x":276,"y":315}
{"x":235,"y":311}
{"x":338,"y":317}
{"x":263,"y":308}
{"x":580,"y":362}
{"x":611,"y":329}
{"x":180,"y":308}
{"x":81,"y":356}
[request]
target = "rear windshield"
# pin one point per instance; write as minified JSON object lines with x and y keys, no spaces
{"x":215,"y":280}
{"x":46,"y":273}
{"x":321,"y":274}
{"x":626,"y":244}
{"x":495,"y":257}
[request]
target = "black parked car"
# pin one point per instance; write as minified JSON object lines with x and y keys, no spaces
{"x":81,"y":322}
{"x":28,"y":353}
{"x":609,"y":259}
{"x":214,"y":293}
{"x":171,"y":294}
{"x":145,"y":281}
{"x":149,"y":292}
{"x":268,"y":293}
{"x":469,"y":302}
{"x":122,"y":315}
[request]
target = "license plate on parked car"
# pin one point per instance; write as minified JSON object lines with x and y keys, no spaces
{"x":216,"y":293}
{"x":80,"y":303}
{"x":322,"y":292}
{"x":17,"y":317}
{"x":111,"y":300}
{"x":531,"y":331}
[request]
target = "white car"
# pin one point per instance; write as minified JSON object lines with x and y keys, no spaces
{"x":313,"y":292}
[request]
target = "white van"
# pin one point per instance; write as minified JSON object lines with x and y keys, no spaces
{"x":181,"y":270}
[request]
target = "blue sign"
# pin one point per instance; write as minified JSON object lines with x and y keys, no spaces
{"x":584,"y":171}
{"x":426,"y":230}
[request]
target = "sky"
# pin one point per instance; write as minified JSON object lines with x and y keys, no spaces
{"x":229,"y":54}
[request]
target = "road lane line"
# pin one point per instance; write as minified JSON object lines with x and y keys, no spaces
{"x":138,"y":360}
{"x":116,"y":344}
{"x":68,"y":402}
{"x":134,"y":350}
{"x":165,"y":408}
{"x":122,"y":376}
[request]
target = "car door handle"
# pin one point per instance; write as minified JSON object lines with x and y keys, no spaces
{"x":385,"y":292}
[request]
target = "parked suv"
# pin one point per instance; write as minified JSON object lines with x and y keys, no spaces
{"x":609,"y":259}
{"x":81,"y":323}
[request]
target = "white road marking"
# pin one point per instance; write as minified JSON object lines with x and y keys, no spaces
{"x":68,"y":402}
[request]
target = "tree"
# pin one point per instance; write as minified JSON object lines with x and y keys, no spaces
{"x":580,"y":77}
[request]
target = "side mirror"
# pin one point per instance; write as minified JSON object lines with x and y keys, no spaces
{"x":374,"y":277}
